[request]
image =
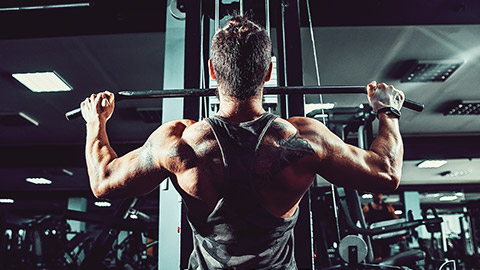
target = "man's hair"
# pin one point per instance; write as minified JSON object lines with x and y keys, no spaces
{"x":241,"y":53}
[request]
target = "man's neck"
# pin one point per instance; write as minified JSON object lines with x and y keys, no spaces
{"x":240,"y":111}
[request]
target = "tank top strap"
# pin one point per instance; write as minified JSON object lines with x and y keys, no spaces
{"x":239,"y":142}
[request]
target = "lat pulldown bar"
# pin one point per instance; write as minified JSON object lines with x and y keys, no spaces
{"x":413,"y":105}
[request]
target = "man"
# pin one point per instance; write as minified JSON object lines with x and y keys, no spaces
{"x":242,"y":172}
{"x":377,"y":211}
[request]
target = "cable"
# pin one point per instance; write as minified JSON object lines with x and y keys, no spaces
{"x":314,"y":48}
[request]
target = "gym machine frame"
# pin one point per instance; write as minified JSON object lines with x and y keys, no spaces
{"x":342,"y":121}
{"x":290,"y":81}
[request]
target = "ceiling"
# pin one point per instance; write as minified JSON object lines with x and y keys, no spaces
{"x":124,"y":50}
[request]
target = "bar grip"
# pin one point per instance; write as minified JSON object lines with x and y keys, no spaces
{"x":76,"y":113}
{"x":413,"y":105}
{"x":73,"y":114}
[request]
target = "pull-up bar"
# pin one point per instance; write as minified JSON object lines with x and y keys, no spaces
{"x":413,"y":105}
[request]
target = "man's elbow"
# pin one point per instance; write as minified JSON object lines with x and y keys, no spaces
{"x":389,"y":182}
{"x":394,"y":182}
{"x":390,"y":174}
{"x":99,"y":191}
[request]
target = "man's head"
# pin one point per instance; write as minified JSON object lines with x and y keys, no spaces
{"x":240,"y":58}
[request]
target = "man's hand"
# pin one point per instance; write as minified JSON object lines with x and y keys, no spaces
{"x":98,"y":107}
{"x":383,"y":95}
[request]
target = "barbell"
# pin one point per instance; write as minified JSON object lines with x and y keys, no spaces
{"x":287,"y":90}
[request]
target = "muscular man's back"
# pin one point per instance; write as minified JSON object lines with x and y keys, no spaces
{"x":283,"y":168}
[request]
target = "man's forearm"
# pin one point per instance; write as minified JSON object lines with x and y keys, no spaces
{"x":98,"y":153}
{"x":389,"y":146}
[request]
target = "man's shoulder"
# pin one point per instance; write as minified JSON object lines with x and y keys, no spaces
{"x":300,"y":122}
{"x":173,"y":130}
{"x":305,"y":126}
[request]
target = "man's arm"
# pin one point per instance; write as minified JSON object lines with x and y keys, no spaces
{"x":133,"y":174}
{"x":378,"y":169}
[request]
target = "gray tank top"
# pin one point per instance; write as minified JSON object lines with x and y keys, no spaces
{"x":240,"y":233}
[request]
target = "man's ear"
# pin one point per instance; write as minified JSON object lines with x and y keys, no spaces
{"x":269,"y":72}
{"x":210,"y":69}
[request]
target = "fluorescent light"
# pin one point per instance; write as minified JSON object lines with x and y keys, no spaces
{"x":133,"y":216}
{"x":448,"y":198}
{"x":398,"y":212}
{"x":321,"y":106}
{"x":67,"y":172}
{"x":39,"y":181}
{"x":28,"y":118}
{"x":367,"y":196}
{"x":6,"y":200}
{"x":428,"y":164}
{"x":43,"y":81}
{"x":432,"y":195}
{"x":102,"y":204}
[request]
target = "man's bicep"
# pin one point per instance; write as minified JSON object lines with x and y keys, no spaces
{"x":134,"y":174}
{"x":344,"y":164}
{"x":341,"y":163}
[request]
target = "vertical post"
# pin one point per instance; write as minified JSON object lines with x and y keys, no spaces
{"x":411,"y":202}
{"x":282,"y":99}
{"x":192,"y":79}
{"x":193,"y":31}
{"x":267,"y":17}
{"x":242,"y":12}
{"x":289,"y":34}
{"x":292,"y":50}
{"x":169,"y":204}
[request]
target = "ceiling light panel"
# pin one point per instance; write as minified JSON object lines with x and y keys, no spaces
{"x":431,"y":71}
{"x":6,"y":200}
{"x":428,"y":164}
{"x":102,"y":204}
{"x":39,"y":181}
{"x":464,"y":108}
{"x":455,"y":173}
{"x":43,"y":81}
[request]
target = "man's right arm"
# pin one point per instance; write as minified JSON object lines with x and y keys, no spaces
{"x":376,"y":169}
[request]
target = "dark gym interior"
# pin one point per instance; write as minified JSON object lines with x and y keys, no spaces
{"x":428,"y":49}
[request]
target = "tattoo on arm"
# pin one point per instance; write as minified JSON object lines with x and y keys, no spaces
{"x":294,"y":148}
{"x":182,"y":156}
{"x":279,"y":152}
{"x":146,"y":156}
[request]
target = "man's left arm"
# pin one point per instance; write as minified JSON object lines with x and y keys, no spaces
{"x":136,"y":173}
